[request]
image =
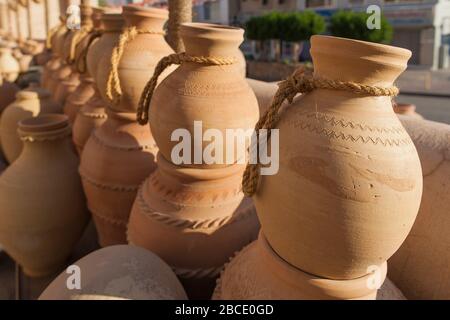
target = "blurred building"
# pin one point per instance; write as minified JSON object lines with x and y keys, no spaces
{"x":423,"y":26}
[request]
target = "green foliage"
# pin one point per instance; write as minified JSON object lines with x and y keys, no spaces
{"x":296,"y":26}
{"x":353,"y":25}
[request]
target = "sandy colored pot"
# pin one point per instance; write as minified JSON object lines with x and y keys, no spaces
{"x":258,"y":273}
{"x":9,"y":67}
{"x":25,"y":61}
{"x":29,"y":103}
{"x":198,"y":208}
{"x":406,"y":109}
{"x":421,"y":266}
{"x":55,"y":62}
{"x":115,"y":160}
{"x":66,"y":86}
{"x":349,"y":183}
{"x":8,"y":92}
{"x":89,"y":117}
{"x":43,"y":207}
{"x":79,"y":97}
{"x":119,"y":273}
{"x":139,"y":58}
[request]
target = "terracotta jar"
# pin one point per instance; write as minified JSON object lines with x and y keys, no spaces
{"x":89,"y":117}
{"x":405,"y":109}
{"x":8,"y":92}
{"x":29,"y":103}
{"x":115,"y":160}
{"x":119,"y":273}
{"x":420,"y":267}
{"x":55,"y":62}
{"x":349,"y":182}
{"x":79,"y":97}
{"x":139,"y":58}
{"x":198,"y":208}
{"x":9,"y":67}
{"x":258,"y":273}
{"x":44,"y":207}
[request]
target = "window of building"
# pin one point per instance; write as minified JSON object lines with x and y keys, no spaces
{"x":318,"y":3}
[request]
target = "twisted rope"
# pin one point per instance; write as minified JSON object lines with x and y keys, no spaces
{"x":300,"y":81}
{"x":76,"y":39}
{"x":113,"y":88}
{"x":81,"y":64}
{"x":176,"y":58}
{"x":51,"y":33}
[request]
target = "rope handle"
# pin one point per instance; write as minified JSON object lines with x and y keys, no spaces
{"x":175,"y":58}
{"x":301,"y":81}
{"x":113,"y":88}
{"x":81,"y":63}
{"x":76,"y":39}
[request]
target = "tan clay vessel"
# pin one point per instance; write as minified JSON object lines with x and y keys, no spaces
{"x":258,"y":273}
{"x":9,"y":67}
{"x":198,"y":208}
{"x":420,"y":267}
{"x":139,"y":59}
{"x":43,"y":211}
{"x":115,"y":160}
{"x":55,"y":62}
{"x":406,"y":109}
{"x":349,"y":182}
{"x":29,"y":103}
{"x":79,"y":97}
{"x":118,"y":273}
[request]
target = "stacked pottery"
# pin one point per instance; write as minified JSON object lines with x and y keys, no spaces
{"x":118,"y":273}
{"x":43,"y":210}
{"x":84,"y":90}
{"x":29,"y":103}
{"x":349,"y":182}
{"x":121,"y":153}
{"x":92,"y":115}
{"x":196,"y":206}
{"x":9,"y":67}
{"x":420,"y":267}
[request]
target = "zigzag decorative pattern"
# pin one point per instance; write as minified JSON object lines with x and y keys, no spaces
{"x":109,"y":220}
{"x":118,"y":188}
{"x":197,"y":273}
{"x":191,"y":224}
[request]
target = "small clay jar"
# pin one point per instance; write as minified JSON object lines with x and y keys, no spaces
{"x":29,"y":103}
{"x":406,"y":109}
{"x":420,"y":266}
{"x":44,"y":211}
{"x":79,"y":97}
{"x":89,"y":117}
{"x":258,"y":273}
{"x":198,"y":207}
{"x":349,"y":183}
{"x":119,"y":273}
{"x":9,"y":67}
{"x":115,"y":160}
{"x":139,"y":58}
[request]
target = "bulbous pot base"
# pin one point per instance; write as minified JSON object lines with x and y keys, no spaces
{"x":257,"y":272}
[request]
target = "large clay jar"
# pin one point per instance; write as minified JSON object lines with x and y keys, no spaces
{"x":29,"y":103}
{"x":349,"y":183}
{"x":8,"y":92}
{"x":57,"y":43}
{"x":258,"y":273}
{"x":118,"y":273}
{"x":43,"y":211}
{"x":115,"y":160}
{"x":9,"y":67}
{"x":421,"y":266}
{"x":139,"y":57}
{"x":198,"y":208}
{"x":79,"y":97}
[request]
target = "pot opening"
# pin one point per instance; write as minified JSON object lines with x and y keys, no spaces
{"x":44,"y":123}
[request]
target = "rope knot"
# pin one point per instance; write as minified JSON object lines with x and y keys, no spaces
{"x":113,"y":87}
{"x":175,"y":58}
{"x":301,"y":81}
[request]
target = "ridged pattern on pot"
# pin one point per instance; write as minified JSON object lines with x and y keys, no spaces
{"x":113,"y":164}
{"x":349,"y":182}
{"x":420,"y":267}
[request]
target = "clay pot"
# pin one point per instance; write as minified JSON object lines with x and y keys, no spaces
{"x":29,"y":103}
{"x":44,"y":211}
{"x":43,"y":57}
{"x":197,"y":208}
{"x":89,"y":117}
{"x":25,"y":60}
{"x":118,"y":273}
{"x":8,"y":92}
{"x":139,"y":58}
{"x":406,"y":109}
{"x":258,"y":273}
{"x":55,"y":62}
{"x":79,"y":97}
{"x":420,"y":266}
{"x":68,"y":82}
{"x":9,"y":67}
{"x":115,"y":160}
{"x":349,"y":182}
